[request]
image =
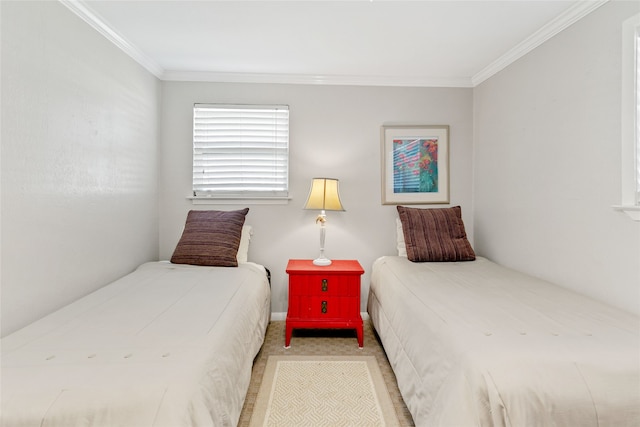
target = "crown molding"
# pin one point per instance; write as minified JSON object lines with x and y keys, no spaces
{"x":564,"y":20}
{"x":94,"y":20}
{"x":561,"y":22}
{"x":196,"y":76}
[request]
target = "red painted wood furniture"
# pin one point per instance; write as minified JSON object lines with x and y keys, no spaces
{"x":324,"y":297}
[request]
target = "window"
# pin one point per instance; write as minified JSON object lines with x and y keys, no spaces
{"x":240,"y":151}
{"x":631,"y":118}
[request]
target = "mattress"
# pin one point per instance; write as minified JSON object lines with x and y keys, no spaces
{"x":477,"y":344}
{"x":167,"y":345}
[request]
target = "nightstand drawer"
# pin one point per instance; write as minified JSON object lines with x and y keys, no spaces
{"x":319,"y":307}
{"x":335,"y":308}
{"x":327,"y":285}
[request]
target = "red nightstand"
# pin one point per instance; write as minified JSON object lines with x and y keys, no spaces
{"x":324,"y":297}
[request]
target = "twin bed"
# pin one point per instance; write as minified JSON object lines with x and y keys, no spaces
{"x":476,"y":344}
{"x":171,"y":344}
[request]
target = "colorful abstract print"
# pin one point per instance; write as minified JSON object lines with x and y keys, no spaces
{"x":415,"y":165}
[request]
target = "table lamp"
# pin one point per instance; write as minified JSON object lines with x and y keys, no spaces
{"x":323,"y":196}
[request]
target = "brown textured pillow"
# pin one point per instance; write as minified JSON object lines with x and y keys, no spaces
{"x":210,"y":238}
{"x":435,"y":234}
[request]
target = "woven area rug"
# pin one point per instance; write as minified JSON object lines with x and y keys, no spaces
{"x":323,"y":391}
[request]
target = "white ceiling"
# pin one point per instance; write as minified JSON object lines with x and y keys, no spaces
{"x":408,"y":43}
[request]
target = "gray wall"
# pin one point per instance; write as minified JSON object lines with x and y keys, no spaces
{"x":79,"y":161}
{"x":335,"y":132}
{"x":547,"y":163}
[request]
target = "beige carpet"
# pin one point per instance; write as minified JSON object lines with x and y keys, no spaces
{"x":323,"y":391}
{"x":322,"y":343}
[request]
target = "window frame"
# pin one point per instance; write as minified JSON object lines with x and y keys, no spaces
{"x":244,"y":196}
{"x":630,"y":153}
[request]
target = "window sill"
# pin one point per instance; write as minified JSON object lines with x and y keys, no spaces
{"x":632,"y":212}
{"x":211,"y":200}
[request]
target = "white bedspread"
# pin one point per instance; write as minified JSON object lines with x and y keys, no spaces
{"x":476,"y":344}
{"x":167,"y":345}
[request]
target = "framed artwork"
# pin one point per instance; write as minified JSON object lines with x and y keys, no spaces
{"x":415,"y":164}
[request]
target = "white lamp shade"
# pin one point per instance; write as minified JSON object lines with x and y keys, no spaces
{"x":324,"y":195}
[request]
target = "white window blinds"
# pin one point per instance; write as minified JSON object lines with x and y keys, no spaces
{"x":240,"y":151}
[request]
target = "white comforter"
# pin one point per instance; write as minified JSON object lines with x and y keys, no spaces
{"x":167,"y":345}
{"x":476,"y":344}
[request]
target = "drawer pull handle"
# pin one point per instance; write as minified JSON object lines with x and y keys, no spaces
{"x":324,"y":307}
{"x":325,"y":285}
